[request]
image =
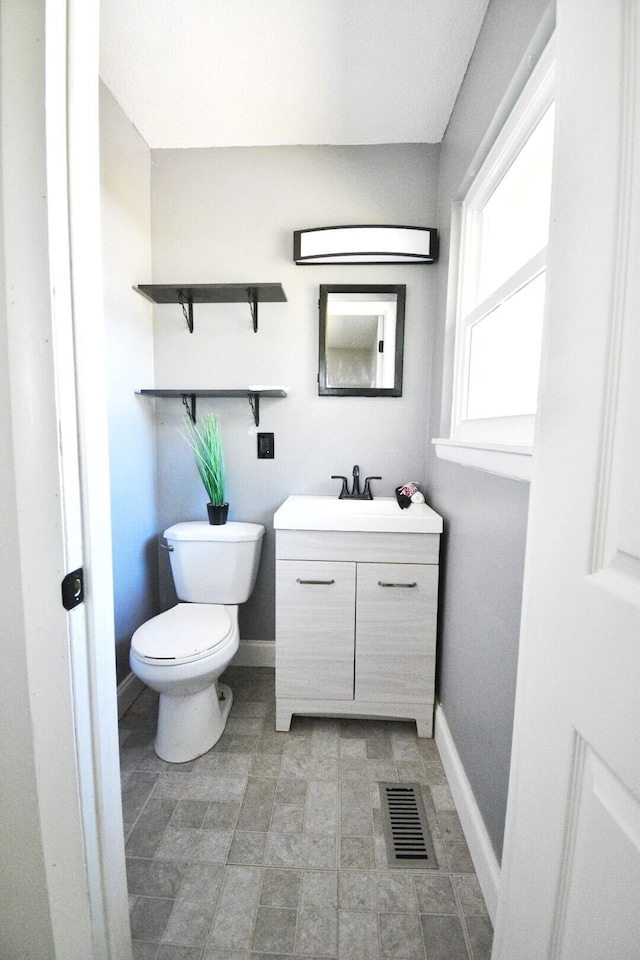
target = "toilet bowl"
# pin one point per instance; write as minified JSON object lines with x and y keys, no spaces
{"x":182,"y":652}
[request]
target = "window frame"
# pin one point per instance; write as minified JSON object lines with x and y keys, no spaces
{"x":502,"y":445}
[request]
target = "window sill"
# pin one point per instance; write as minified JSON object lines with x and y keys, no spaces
{"x":503,"y":459}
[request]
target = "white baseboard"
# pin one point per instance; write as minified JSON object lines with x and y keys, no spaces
{"x":255,"y":653}
{"x":129,"y":690}
{"x":480,"y":848}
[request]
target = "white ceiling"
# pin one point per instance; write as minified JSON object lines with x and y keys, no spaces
{"x":205,"y":73}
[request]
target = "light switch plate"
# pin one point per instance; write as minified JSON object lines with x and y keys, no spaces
{"x":265,"y":446}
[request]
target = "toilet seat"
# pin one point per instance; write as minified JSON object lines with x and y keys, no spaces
{"x":186,"y":632}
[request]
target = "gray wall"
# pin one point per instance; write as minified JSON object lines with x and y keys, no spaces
{"x":126,"y":246}
{"x":485,"y":515}
{"x":228,"y":215}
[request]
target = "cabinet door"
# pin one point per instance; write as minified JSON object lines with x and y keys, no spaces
{"x":315,"y":613}
{"x":396,"y":632}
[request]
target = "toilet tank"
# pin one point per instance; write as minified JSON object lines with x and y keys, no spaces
{"x":214,"y":564}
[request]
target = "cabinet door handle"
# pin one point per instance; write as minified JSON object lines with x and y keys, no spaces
{"x":381,"y":583}
{"x":317,"y":582}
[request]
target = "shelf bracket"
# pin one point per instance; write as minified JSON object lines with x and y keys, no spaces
{"x":252,"y":295}
{"x":187,"y":309}
{"x":254,"y":403}
{"x":189,"y":401}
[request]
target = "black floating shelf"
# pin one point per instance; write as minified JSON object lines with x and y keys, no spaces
{"x":189,"y":398}
{"x":186,"y":294}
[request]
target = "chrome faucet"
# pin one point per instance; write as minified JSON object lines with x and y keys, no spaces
{"x":355,"y":486}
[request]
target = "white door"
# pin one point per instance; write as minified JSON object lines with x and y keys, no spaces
{"x":571,"y":866}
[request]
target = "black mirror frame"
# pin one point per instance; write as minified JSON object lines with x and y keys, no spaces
{"x":396,"y":391}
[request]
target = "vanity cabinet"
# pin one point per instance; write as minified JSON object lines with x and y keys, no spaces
{"x":356,"y":625}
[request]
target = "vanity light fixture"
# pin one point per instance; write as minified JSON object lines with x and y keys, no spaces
{"x":365,"y":244}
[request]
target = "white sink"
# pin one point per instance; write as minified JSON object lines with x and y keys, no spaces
{"x":381,"y":515}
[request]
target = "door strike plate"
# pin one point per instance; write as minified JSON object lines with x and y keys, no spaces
{"x":73,"y":589}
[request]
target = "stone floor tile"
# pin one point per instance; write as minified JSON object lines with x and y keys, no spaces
{"x":144,"y":951}
{"x":481,"y":937}
{"x":435,"y":895}
{"x":357,"y":853}
{"x":232,"y":927}
{"x":281,"y":888}
{"x":321,"y":810}
{"x":292,"y":850}
{"x":266,"y":766}
{"x":172,"y":951}
{"x":154,"y":878}
{"x":225,"y":787}
{"x":309,"y":768}
{"x":317,"y":930}
{"x":459,"y":857}
{"x":257,"y":804}
{"x":353,"y":768}
{"x":149,"y":918}
{"x":287,"y":818}
{"x":443,"y":938}
{"x":356,"y":818}
{"x":244,"y":726}
{"x":382,"y":891}
{"x":442,"y":797}
{"x":297,"y":747}
{"x":353,"y":749}
{"x":325,"y":738}
{"x":215,"y":953}
{"x":412,"y":771}
{"x":221,"y":815}
{"x":382,"y":771}
{"x":189,"y":922}
{"x":401,"y":936}
{"x":470,"y":896}
{"x":379,"y":749}
{"x":450,"y":826}
{"x":147,"y":834}
{"x":251,"y":708}
{"x":247,"y":848}
{"x":202,"y":881}
{"x":275,"y":930}
{"x":291,"y":791}
{"x":435,"y":773}
{"x":135,"y":793}
{"x":194,"y":846}
{"x":358,"y":936}
{"x":406,"y":749}
{"x":190,"y":813}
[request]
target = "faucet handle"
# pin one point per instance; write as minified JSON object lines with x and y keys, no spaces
{"x":367,"y":491}
{"x":343,"y":493}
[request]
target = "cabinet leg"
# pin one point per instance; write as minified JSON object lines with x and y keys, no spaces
{"x":424,"y":725}
{"x":283,"y":719}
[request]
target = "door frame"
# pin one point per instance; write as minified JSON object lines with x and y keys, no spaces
{"x":52,"y":259}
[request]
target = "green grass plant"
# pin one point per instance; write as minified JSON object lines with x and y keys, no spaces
{"x":206,"y":443}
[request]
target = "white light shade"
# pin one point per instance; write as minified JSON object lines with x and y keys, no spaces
{"x":365,"y":244}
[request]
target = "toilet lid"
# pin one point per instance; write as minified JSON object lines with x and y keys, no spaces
{"x":186,"y":632}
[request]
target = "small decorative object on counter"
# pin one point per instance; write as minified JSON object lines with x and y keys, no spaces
{"x":408,"y":493}
{"x":206,"y":444}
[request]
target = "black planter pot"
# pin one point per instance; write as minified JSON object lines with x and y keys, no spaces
{"x":217,"y":512}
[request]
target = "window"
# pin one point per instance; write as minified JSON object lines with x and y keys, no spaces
{"x":499,"y":296}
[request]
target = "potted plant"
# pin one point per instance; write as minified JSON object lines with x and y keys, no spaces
{"x":206,"y":444}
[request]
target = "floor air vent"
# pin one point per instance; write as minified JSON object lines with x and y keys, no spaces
{"x":406,"y":831}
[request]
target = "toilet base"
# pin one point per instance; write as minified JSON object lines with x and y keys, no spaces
{"x":190,"y":726}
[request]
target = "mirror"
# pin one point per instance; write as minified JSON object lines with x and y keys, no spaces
{"x":361,"y":340}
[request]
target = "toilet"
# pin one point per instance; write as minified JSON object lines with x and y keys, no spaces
{"x":181,"y":653}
